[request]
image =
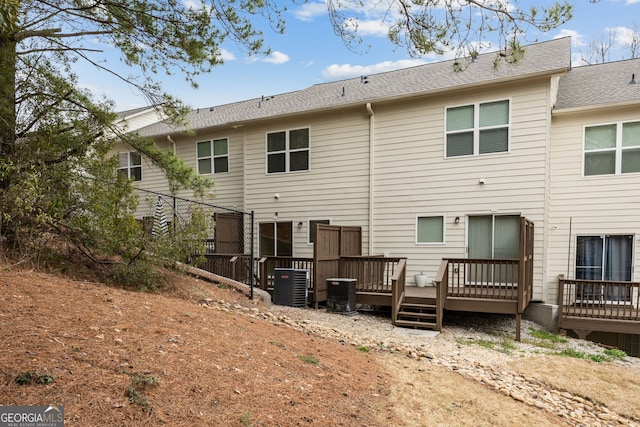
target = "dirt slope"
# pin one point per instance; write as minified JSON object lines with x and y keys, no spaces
{"x":116,"y":357}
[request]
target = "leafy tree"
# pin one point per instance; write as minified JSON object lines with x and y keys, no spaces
{"x":55,"y":175}
{"x":439,"y":26}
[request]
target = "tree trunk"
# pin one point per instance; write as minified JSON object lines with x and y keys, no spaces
{"x":7,"y":121}
{"x":7,"y":100}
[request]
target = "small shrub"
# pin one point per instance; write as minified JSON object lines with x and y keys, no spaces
{"x":614,"y":353}
{"x":508,"y":346}
{"x":144,"y":380}
{"x":245,"y":419}
{"x":277,"y":344}
{"x":29,"y":377}
{"x":363,"y":349}
{"x":569,"y":352}
{"x":309,"y":359}
{"x":545,"y":335}
{"x":141,"y":275}
{"x":139,"y":399}
{"x":598,"y":358}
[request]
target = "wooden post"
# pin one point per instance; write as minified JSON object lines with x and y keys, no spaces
{"x":518,"y":324}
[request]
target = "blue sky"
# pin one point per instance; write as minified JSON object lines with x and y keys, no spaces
{"x":309,"y":53}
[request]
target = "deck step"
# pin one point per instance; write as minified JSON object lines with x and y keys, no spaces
{"x":416,"y":325}
{"x":419,"y":306}
{"x":416,"y":315}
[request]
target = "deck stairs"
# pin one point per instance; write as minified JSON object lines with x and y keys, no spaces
{"x":417,"y":313}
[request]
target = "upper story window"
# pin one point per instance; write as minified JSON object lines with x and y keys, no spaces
{"x":480,"y":128}
{"x":213,"y":156}
{"x":131,"y":165}
{"x":288,"y":151}
{"x":612,"y":149}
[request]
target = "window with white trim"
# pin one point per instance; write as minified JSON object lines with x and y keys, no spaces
{"x":429,"y":229}
{"x":213,"y":156}
{"x":276,"y":238}
{"x":475,"y":129}
{"x":288,"y":151}
{"x":612,"y":149}
{"x":131,"y":165}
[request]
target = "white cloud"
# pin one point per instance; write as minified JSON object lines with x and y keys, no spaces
{"x":577,"y":39}
{"x":344,"y":71}
{"x":193,"y":4}
{"x":276,"y":58}
{"x":226,"y":55}
{"x":369,"y":28}
{"x":628,"y":2}
{"x":308,"y":11}
{"x":622,"y":35}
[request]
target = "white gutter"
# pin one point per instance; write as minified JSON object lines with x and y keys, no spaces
{"x":588,"y":108}
{"x":371,"y":173}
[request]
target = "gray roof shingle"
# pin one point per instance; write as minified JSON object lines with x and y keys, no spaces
{"x":541,"y":58}
{"x":600,"y":84}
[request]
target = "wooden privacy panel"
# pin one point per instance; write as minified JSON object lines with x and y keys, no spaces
{"x":229,"y":233}
{"x":332,"y":242}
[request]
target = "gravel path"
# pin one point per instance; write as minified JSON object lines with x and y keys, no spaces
{"x":477,"y":346}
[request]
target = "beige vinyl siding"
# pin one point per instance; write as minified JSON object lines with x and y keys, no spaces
{"x":593,"y":205}
{"x":228,"y":187}
{"x":413,"y":177}
{"x":140,"y":120}
{"x":336,"y":186}
{"x":151,"y":177}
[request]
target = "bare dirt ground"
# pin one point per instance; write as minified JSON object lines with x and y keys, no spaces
{"x":118,"y":357}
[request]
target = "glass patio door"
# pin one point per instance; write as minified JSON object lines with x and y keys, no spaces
{"x":491,"y":237}
{"x":602,"y":258}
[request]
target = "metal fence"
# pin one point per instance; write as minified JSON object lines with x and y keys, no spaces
{"x":229,"y":231}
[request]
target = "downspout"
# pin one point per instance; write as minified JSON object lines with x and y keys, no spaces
{"x":173,"y":144}
{"x":371,"y":173}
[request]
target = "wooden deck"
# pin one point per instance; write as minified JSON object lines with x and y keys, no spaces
{"x":605,"y":306}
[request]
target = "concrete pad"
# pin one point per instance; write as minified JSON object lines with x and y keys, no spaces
{"x":425,"y":333}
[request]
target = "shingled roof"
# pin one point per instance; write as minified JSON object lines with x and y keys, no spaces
{"x":540,"y":59}
{"x":592,"y":86}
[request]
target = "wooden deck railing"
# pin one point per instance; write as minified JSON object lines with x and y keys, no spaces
{"x":372,"y":273}
{"x":233,"y":266}
{"x":398,"y":280}
{"x":442,"y":285}
{"x":599,"y":299}
{"x":482,"y":278}
{"x":496,"y":283}
{"x":268,"y":264}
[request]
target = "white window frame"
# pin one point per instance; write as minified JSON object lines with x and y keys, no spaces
{"x":606,"y":299}
{"x":476,"y":128}
{"x":212,"y":156}
{"x":618,"y":149}
{"x":444,"y":229}
{"x":128,"y":167}
{"x":287,"y":150}
{"x":275,"y":224}
{"x":309,"y":221}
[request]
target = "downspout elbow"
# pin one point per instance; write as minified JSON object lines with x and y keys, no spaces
{"x":173,"y":144}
